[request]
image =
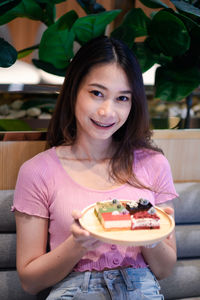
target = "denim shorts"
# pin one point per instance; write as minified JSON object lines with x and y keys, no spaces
{"x":119,"y":284}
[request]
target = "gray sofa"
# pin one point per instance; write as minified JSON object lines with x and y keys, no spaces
{"x":184,"y":283}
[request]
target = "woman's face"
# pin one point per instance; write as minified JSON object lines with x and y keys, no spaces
{"x":103,"y":102}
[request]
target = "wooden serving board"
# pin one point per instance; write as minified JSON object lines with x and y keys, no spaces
{"x":127,"y":237}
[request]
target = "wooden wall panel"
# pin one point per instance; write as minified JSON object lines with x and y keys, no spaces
{"x":181,"y":147}
{"x":12,"y":155}
{"x":23,"y":34}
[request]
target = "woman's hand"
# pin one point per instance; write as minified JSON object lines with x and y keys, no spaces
{"x":162,"y":258}
{"x":170,"y":211}
{"x":82,"y":236}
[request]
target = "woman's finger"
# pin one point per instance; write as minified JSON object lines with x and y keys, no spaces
{"x":169,"y":210}
{"x":78,"y":231}
{"x":76,"y":214}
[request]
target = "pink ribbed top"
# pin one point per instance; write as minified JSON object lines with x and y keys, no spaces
{"x":45,"y":189}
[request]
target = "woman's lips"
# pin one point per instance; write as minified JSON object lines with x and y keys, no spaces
{"x":102,"y":125}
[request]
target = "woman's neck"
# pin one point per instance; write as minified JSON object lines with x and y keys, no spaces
{"x":93,"y":151}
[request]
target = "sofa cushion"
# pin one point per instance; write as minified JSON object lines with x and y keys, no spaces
{"x":187,"y":206}
{"x":7,"y":250}
{"x":10,"y":287}
{"x":7,"y":220}
{"x":184,"y":281}
{"x":188,"y":240}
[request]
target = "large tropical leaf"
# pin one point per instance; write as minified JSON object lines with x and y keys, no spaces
{"x":169,"y":33}
{"x":144,"y":55}
{"x":192,"y":56}
{"x":90,"y":6}
{"x":6,"y":5}
{"x":56,"y":46}
{"x":48,"y":67}
{"x":8,"y":54}
{"x":135,"y":24}
{"x":30,"y":9}
{"x":189,"y":23}
{"x":187,"y":8}
{"x":147,"y":57}
{"x":94,"y":25}
{"x":175,"y":84}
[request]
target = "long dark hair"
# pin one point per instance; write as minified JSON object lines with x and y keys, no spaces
{"x":134,"y":134}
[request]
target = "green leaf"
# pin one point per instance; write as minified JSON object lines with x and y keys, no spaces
{"x":154,"y":3}
{"x":144,"y":55}
{"x":6,"y":5}
{"x":92,"y":26}
{"x":8,"y":54}
{"x":147,"y":57}
{"x":135,"y":24}
{"x":176,"y":84}
{"x":48,"y":67}
{"x":29,"y":9}
{"x":189,"y":23}
{"x":14,"y":125}
{"x":49,"y":14}
{"x":159,"y":57}
{"x":187,"y":8}
{"x":169,"y":34}
{"x":124,"y":34}
{"x":194,"y":30}
{"x":90,"y":6}
{"x":23,"y":53}
{"x":56,"y":46}
{"x":195,"y":42}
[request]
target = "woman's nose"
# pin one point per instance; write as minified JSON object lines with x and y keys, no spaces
{"x":106,"y":109}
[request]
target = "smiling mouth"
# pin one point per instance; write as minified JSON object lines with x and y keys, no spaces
{"x":102,"y":125}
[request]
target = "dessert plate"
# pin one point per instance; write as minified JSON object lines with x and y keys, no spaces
{"x":140,"y":237}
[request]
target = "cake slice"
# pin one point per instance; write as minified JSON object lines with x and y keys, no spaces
{"x":113,"y":215}
{"x":143,"y":215}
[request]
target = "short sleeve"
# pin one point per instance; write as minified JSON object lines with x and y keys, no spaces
{"x":163,"y":182}
{"x":31,"y":191}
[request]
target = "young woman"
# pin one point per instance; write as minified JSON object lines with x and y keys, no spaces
{"x":100,"y":149}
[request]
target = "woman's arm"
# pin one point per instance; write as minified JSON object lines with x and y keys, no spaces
{"x":162,"y":258}
{"x":36,"y":268}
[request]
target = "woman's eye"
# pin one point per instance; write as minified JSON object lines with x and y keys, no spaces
{"x":96,"y":93}
{"x":123,"y":98}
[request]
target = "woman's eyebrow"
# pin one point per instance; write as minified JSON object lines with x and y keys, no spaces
{"x":105,"y":88}
{"x":98,"y":85}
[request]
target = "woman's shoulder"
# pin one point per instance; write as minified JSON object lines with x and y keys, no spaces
{"x":147,"y":153}
{"x":40,"y":161}
{"x":150,"y":157}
